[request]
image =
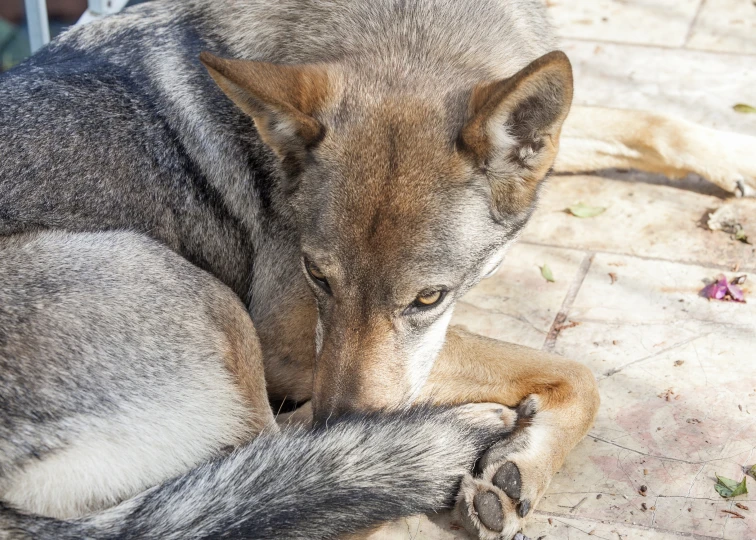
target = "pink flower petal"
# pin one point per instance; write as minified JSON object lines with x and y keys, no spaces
{"x":735,"y":292}
{"x":721,"y":289}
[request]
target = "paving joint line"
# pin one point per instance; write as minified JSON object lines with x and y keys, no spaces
{"x":689,"y":33}
{"x":564,"y":39}
{"x":703,"y":264}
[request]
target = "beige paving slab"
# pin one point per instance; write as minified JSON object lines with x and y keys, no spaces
{"x":662,"y":22}
{"x":664,"y":220}
{"x":699,"y":86}
{"x":678,"y":386}
{"x":725,"y":25}
{"x":517,"y":304}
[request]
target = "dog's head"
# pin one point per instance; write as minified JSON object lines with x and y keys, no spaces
{"x":405,"y":196}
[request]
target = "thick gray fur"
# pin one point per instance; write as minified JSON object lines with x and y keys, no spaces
{"x":84,"y":357}
{"x":356,"y":473}
{"x":116,"y":126}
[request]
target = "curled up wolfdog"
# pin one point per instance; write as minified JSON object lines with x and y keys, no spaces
{"x":210,"y":205}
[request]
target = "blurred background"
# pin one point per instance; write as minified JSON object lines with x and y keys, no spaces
{"x":14,"y":35}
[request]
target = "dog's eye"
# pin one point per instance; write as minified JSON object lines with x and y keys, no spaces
{"x":429,"y":299}
{"x":317,"y":276}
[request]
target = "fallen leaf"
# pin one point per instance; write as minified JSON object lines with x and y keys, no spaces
{"x":721,"y":289}
{"x":613,"y":277}
{"x":741,"y":236}
{"x":743,"y":108}
{"x":571,"y":324}
{"x":736,"y":514}
{"x":546,"y":273}
{"x":741,"y":506}
{"x":584,"y":211}
{"x":751,"y":472}
{"x":727,"y":487}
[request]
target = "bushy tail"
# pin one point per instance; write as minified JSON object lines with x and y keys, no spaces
{"x":354,"y":474}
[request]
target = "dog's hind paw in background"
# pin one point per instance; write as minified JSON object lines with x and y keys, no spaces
{"x":511,"y":477}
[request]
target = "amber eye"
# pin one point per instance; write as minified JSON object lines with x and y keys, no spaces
{"x":317,"y":275}
{"x":315,"y":272}
{"x":429,"y":299}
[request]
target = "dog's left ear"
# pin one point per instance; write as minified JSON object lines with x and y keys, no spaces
{"x":281,"y":99}
{"x":514,"y":127}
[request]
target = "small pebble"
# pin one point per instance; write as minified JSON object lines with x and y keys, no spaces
{"x":644,"y":507}
{"x":598,"y":496}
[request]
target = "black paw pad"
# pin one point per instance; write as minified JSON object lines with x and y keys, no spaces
{"x":488,"y":507}
{"x":508,"y":479}
{"x":523,"y":508}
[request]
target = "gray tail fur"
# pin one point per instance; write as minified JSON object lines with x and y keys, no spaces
{"x":353,"y":474}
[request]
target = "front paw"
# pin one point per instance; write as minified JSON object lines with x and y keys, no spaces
{"x":495,"y":503}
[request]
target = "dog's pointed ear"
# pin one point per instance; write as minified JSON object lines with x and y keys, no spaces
{"x":281,"y":99}
{"x":514,"y":127}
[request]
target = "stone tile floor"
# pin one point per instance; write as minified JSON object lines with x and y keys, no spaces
{"x":677,"y":373}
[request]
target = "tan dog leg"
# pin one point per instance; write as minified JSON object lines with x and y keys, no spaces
{"x":595,"y":138}
{"x":557,"y":400}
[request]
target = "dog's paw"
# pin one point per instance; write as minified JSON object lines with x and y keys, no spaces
{"x":487,"y":511}
{"x":495,"y":503}
{"x":488,"y":415}
{"x":732,"y":163}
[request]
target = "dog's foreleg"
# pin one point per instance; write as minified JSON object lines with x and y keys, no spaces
{"x":557,"y":401}
{"x":595,"y":138}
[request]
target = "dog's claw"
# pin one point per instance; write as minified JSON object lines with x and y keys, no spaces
{"x":523,"y":508}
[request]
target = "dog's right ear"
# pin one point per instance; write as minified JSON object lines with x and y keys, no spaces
{"x":514,"y":127}
{"x":281,"y":99}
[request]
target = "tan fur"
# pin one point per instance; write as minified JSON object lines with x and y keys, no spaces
{"x":289,"y":338}
{"x":243,"y":358}
{"x":473,"y":369}
{"x":564,"y":394}
{"x":596,"y":138}
{"x":265,"y":90}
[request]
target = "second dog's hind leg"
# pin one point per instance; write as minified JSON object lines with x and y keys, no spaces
{"x":595,"y":138}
